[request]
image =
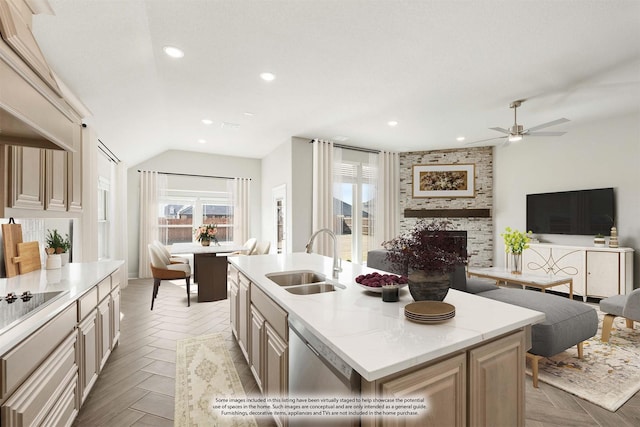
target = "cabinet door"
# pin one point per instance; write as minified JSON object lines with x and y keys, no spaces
{"x":26,"y":177}
{"x":74,"y":175}
{"x":554,"y":261}
{"x":496,"y":383}
{"x":443,"y":386}
{"x":256,"y":357}
{"x":233,"y":308}
{"x":88,"y":354}
{"x":115,"y":316}
{"x":243,"y":316}
{"x":55,"y":180}
{"x":276,"y":375}
{"x":603,"y":274}
{"x":104,"y":323}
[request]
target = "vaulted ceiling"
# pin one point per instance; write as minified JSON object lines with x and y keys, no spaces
{"x":344,"y":69}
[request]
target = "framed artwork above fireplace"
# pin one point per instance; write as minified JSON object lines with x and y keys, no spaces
{"x":444,"y":180}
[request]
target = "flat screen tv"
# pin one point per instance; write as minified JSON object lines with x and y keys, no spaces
{"x":583,"y":212}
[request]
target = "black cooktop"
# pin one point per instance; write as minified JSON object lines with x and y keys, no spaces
{"x":15,"y":307}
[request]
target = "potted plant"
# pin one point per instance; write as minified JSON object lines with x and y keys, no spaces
{"x":206,"y":233}
{"x":57,"y":245}
{"x":429,"y":255}
{"x":514,"y":243}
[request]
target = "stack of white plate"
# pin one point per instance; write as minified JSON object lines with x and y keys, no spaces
{"x":429,"y":311}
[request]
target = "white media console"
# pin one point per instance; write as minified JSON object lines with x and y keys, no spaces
{"x":596,"y":272}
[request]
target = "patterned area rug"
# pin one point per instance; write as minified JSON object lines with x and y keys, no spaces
{"x":609,"y":373}
{"x":204,"y":371}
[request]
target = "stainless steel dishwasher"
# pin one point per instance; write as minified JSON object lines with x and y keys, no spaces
{"x":317,"y":371}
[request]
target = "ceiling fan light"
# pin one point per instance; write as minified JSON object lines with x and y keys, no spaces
{"x":515,"y":138}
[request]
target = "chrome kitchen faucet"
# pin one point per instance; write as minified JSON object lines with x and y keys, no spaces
{"x":337,"y":268}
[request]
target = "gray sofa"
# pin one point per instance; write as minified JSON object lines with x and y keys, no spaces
{"x":567,"y":322}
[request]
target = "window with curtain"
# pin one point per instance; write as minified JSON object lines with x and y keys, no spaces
{"x":180,"y":211}
{"x":354,"y":202}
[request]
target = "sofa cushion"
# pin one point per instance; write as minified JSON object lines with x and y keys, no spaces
{"x":476,"y":285}
{"x":567,"y":322}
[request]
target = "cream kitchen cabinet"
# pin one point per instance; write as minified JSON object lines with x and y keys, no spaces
{"x":258,"y":343}
{"x":596,"y":272}
{"x":87,"y":353}
{"x":55,"y":172}
{"x":243,"y":314}
{"x":26,"y":178}
{"x":232,"y":280}
{"x":482,"y":386}
{"x":39,"y":376}
{"x":115,"y":315}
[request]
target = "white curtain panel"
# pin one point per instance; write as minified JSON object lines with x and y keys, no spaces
{"x":149,"y":191}
{"x":387,"y":219}
{"x":118,"y":240}
{"x":323,"y":153}
{"x":241,"y":211}
{"x":371,"y":203}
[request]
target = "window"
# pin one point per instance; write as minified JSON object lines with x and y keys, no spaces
{"x":103,"y":218}
{"x":178,"y":208}
{"x":354,"y":202}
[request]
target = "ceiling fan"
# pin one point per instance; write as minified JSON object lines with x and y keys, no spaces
{"x":517,"y":132}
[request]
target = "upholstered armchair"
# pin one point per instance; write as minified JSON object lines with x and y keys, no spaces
{"x":627,"y":306}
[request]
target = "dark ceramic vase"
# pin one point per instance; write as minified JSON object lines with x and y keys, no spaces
{"x":428,"y":286}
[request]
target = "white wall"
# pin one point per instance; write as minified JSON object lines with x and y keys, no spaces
{"x":276,"y":171}
{"x":188,"y":162}
{"x":593,"y":155}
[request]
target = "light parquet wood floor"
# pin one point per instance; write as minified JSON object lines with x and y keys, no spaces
{"x":136,"y":386}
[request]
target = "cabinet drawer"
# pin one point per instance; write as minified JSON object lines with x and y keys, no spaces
{"x":116,"y":278}
{"x":65,"y":411}
{"x":271,"y":311}
{"x":16,"y":365}
{"x":104,"y":288}
{"x":87,"y":302}
{"x":33,"y":400}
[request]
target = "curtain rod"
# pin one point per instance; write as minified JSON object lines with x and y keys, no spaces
{"x":349,"y":147}
{"x":196,"y":175}
{"x":107,"y":152}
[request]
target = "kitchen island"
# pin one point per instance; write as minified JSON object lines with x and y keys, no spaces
{"x":481,"y":350}
{"x":58,"y":330}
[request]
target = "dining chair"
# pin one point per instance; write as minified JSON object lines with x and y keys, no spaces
{"x":627,"y":306}
{"x":261,"y":248}
{"x":247,"y":248}
{"x":160,"y":271}
{"x":166,"y":255}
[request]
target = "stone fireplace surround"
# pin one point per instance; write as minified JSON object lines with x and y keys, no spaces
{"x":479,"y":224}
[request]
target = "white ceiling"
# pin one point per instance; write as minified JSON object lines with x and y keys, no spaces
{"x":442,"y":69}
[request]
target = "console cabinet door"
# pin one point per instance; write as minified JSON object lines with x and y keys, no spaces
{"x":26,"y":177}
{"x":496,"y":383}
{"x":603,"y":269}
{"x":443,"y":385}
{"x":557,"y":261}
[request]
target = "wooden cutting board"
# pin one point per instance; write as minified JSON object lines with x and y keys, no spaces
{"x":28,"y":258}
{"x":11,"y":236}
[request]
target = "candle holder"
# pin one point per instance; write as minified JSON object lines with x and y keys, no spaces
{"x":390,"y":293}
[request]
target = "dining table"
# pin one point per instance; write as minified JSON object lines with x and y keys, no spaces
{"x":209,"y":267}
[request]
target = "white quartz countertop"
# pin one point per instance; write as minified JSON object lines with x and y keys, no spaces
{"x":373,"y":336}
{"x":74,"y":279}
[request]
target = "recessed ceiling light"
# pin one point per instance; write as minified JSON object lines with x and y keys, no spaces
{"x":207,"y":121}
{"x":392,"y":123}
{"x":460,"y":138}
{"x":340,"y":138}
{"x":267,"y":77}
{"x":249,"y":113}
{"x":202,"y":141}
{"x":173,"y":52}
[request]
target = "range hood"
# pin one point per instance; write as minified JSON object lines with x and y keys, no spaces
{"x":34,"y":107}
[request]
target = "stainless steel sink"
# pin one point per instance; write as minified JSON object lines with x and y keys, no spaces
{"x":293,"y":278}
{"x":316,"y":288}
